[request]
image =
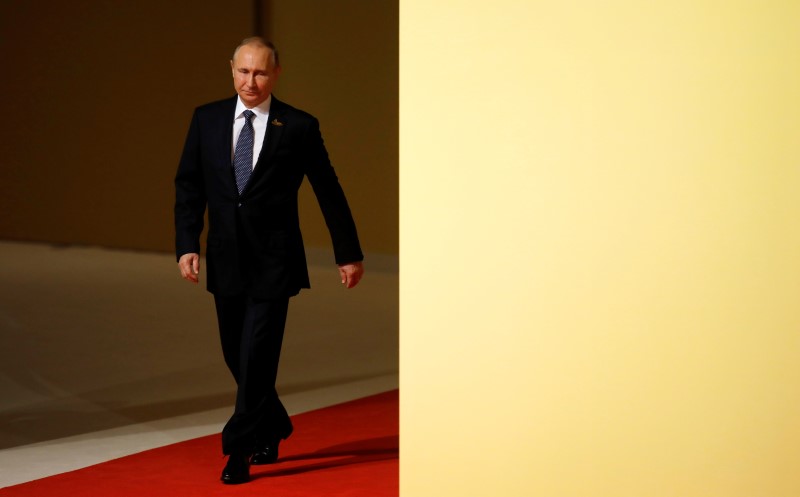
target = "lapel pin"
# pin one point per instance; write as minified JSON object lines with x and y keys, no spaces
{"x":275,"y":122}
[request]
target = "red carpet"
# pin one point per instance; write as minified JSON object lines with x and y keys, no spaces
{"x":349,"y":449}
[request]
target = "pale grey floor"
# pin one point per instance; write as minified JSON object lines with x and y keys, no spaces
{"x":104,"y":353}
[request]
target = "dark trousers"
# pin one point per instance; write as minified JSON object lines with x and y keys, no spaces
{"x":251,"y":332}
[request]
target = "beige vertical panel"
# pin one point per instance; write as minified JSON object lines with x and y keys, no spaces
{"x":600,"y":249}
{"x":340,"y":64}
{"x":97,"y":97}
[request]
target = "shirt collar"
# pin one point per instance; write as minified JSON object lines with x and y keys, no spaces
{"x":261,"y":110}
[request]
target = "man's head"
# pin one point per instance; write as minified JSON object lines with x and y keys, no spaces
{"x":255,"y":67}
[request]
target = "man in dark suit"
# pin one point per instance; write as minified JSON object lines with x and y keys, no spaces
{"x":244,"y":159}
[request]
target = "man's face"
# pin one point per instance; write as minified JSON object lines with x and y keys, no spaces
{"x":253,"y":74}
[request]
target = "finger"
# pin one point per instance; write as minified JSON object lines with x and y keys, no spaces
{"x":355,"y":277}
{"x":186,"y":272}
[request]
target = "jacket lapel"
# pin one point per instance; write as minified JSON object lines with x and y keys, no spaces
{"x":225,"y":137}
{"x":272,"y":139}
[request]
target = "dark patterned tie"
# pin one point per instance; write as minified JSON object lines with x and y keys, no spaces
{"x":243,"y":155}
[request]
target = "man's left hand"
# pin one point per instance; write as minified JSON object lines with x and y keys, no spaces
{"x":351,"y":273}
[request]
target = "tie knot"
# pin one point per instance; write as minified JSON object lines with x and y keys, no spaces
{"x":248,"y":114}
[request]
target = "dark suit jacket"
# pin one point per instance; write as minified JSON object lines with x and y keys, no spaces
{"x":254,"y":241}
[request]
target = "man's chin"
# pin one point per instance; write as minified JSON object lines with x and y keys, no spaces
{"x":251,"y":100}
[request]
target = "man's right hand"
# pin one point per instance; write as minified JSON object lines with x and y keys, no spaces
{"x":189,"y":265}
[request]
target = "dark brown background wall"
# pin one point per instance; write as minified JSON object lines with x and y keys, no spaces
{"x":340,"y":62}
{"x":97,"y":97}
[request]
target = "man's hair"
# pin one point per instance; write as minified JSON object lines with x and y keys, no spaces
{"x":260,"y":42}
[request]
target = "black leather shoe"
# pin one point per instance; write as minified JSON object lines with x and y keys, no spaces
{"x":237,"y":470}
{"x":266,"y":454}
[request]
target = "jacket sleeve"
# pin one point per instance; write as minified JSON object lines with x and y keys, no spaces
{"x":331,"y":198}
{"x":190,"y":196}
